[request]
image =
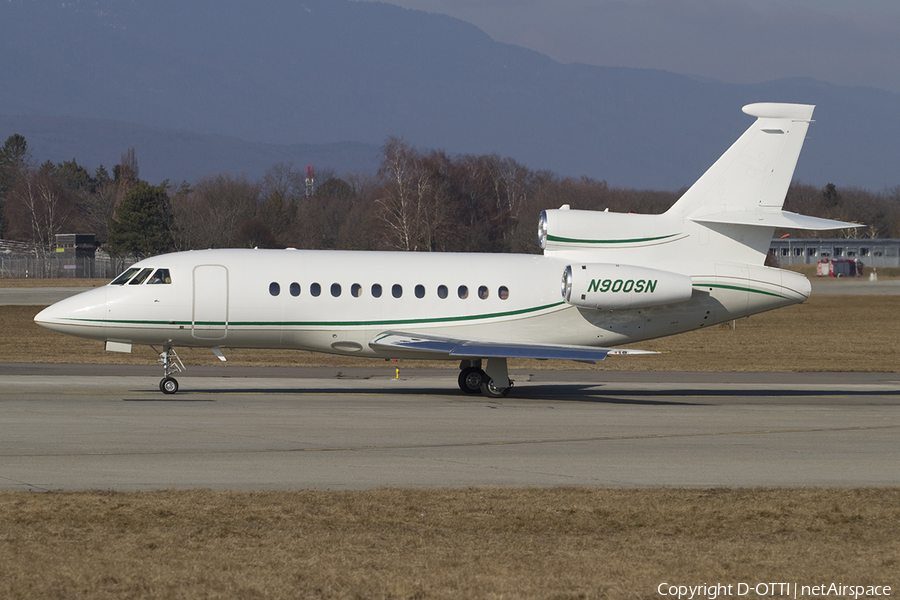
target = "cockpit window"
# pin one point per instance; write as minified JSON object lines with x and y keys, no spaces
{"x":141,"y":277}
{"x":161,"y":276}
{"x":121,"y":279}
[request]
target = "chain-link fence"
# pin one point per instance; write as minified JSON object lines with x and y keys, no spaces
{"x":44,"y":264}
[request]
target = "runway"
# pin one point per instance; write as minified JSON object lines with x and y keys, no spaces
{"x":75,"y":427}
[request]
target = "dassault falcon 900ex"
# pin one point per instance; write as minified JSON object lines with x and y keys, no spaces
{"x":604,"y":279}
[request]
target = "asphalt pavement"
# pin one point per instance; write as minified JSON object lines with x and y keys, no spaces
{"x":71,"y":427}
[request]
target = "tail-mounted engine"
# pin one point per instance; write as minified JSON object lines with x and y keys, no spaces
{"x":615,"y":287}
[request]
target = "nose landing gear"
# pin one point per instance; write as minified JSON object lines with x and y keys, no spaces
{"x":171,"y":364}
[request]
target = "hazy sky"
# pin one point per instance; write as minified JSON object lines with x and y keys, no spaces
{"x":852,"y":42}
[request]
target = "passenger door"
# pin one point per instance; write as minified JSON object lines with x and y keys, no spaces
{"x":209,"y":319}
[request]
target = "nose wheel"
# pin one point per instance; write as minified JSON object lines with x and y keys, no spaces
{"x":168,"y":385}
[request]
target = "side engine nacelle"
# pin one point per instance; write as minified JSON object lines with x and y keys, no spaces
{"x":615,"y":287}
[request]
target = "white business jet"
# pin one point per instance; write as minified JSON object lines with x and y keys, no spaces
{"x":604,"y":279}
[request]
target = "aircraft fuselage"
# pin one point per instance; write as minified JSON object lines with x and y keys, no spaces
{"x":338,"y":302}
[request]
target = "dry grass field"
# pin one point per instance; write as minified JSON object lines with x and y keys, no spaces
{"x":563,"y":543}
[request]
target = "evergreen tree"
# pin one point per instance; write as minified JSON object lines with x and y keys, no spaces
{"x":831,"y":196}
{"x":14,"y":152}
{"x":13,"y":159}
{"x":140,"y":228}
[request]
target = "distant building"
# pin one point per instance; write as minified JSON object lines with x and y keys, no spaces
{"x":871,"y":252}
{"x":75,"y":252}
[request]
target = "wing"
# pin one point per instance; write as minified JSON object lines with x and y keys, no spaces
{"x":462,"y":348}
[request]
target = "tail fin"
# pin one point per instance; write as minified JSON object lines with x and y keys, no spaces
{"x":756,"y":171}
{"x":740,"y":197}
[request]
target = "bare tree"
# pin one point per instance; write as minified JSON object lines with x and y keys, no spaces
{"x":99,"y":204}
{"x":282,"y":180}
{"x":399,"y":200}
{"x":126,"y":174}
{"x":39,"y":206}
{"x":210,"y":215}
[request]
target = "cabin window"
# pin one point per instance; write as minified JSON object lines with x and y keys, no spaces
{"x":141,"y":277}
{"x":376,"y":290}
{"x":503,"y":292}
{"x":442,"y":292}
{"x":483,"y":292}
{"x":863,"y":251}
{"x":295,"y":289}
{"x":315,"y":289}
{"x":356,"y":290}
{"x":274,"y":288}
{"x":335,"y":289}
{"x":420,"y":291}
{"x":462,"y":292}
{"x":124,"y":277}
{"x":161,"y":276}
{"x":396,"y":290}
{"x":838,"y":251}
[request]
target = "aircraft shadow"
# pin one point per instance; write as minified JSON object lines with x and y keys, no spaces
{"x":555,"y":392}
{"x":168,"y":398}
{"x":595,"y":393}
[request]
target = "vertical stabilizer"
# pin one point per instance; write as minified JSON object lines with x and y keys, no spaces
{"x":754,"y":174}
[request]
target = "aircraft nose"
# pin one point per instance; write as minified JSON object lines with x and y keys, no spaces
{"x":80,"y":315}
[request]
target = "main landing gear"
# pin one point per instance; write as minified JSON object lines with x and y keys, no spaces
{"x":492,"y":382}
{"x":171,"y":364}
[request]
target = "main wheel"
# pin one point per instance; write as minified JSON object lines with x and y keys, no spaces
{"x":168,"y":385}
{"x":488,"y":389}
{"x":470,"y":380}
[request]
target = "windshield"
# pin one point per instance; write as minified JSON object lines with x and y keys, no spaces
{"x":124,"y":277}
{"x":141,"y":277}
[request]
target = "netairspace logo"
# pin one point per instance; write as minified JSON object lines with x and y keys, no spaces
{"x":774,"y":590}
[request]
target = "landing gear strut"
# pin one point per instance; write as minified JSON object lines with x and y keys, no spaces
{"x":171,"y":364}
{"x":492,"y":382}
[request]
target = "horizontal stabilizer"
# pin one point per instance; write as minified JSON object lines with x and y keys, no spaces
{"x":785,"y":219}
{"x":472,"y":349}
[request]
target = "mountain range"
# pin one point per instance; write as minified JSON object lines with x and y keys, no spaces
{"x":200,"y":87}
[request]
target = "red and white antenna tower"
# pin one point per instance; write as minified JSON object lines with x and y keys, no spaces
{"x":310,"y":181}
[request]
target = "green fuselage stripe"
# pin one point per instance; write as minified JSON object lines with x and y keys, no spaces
{"x":556,"y":238}
{"x":376,"y":323}
{"x":739,"y":289}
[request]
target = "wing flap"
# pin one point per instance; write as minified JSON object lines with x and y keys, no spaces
{"x":463,"y":348}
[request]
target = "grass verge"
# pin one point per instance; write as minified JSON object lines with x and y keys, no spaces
{"x":471,"y":543}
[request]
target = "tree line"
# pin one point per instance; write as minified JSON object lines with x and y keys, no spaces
{"x":417,"y":201}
